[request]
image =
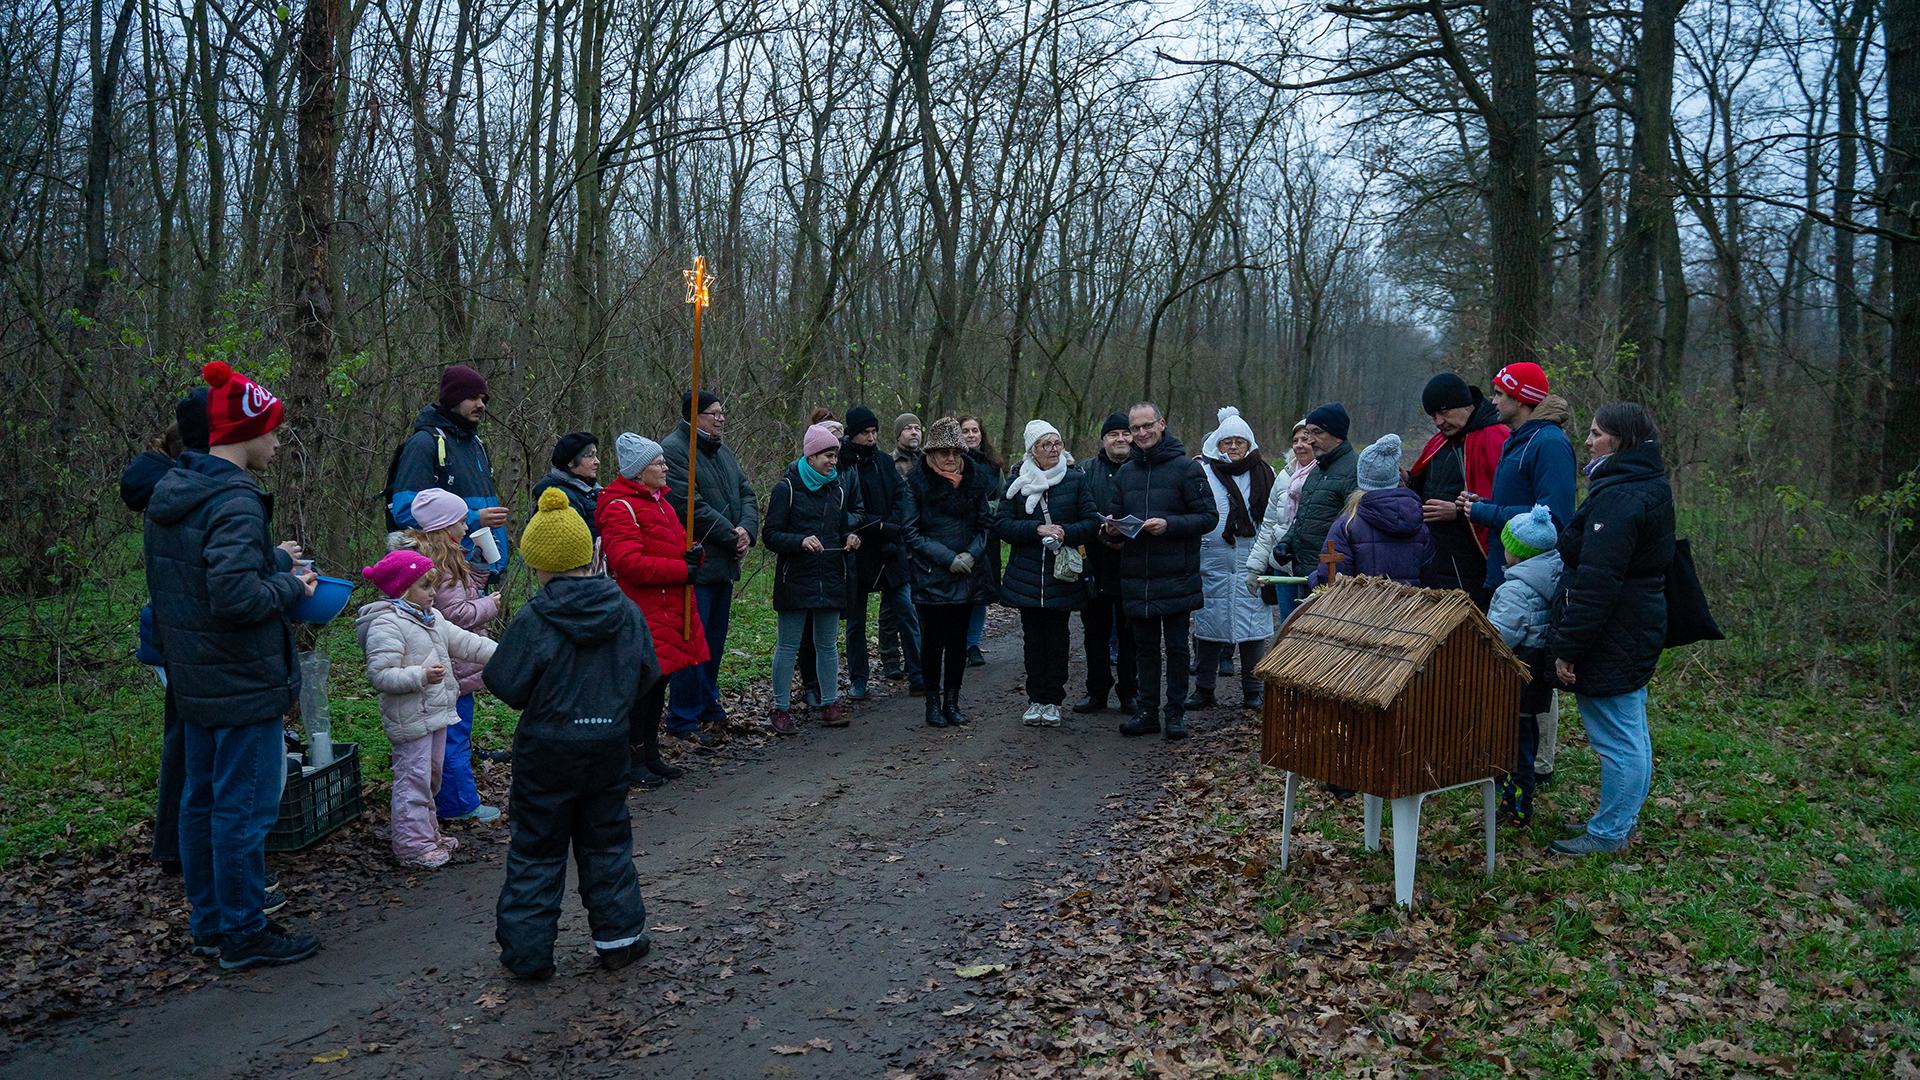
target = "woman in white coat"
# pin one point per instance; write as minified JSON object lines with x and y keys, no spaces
{"x":1270,"y":554}
{"x":1242,"y":486}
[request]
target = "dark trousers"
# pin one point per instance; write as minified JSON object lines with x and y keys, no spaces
{"x":1150,"y":636}
{"x":943,"y":644}
{"x":695,"y":693}
{"x":173,"y":780}
{"x":1044,"y":635}
{"x":1103,"y":622}
{"x":644,"y":725}
{"x":900,"y":630}
{"x":1207,"y":664}
{"x":546,"y":822}
{"x":234,"y":776}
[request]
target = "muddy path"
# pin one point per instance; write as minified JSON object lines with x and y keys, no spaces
{"x":813,"y":895}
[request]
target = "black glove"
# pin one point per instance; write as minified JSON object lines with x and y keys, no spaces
{"x":694,"y":555}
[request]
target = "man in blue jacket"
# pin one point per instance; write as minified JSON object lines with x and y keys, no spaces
{"x":1536,"y":464}
{"x":445,"y":451}
{"x":222,"y":597}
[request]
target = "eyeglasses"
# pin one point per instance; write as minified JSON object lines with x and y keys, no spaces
{"x":720,"y":414}
{"x":1137,"y":428}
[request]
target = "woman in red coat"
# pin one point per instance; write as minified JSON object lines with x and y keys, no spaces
{"x":645,"y":544}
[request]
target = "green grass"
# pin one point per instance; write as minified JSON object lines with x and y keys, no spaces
{"x":80,"y":735}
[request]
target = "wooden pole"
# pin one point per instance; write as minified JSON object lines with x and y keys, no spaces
{"x":697,"y":296}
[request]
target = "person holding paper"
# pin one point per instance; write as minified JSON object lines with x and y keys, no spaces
{"x":1160,"y":561}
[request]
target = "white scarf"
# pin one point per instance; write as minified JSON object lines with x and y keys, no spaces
{"x":1034,"y":482}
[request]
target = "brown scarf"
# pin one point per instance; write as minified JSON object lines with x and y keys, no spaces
{"x":1243,"y":519}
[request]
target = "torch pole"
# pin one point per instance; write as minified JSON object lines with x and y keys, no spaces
{"x":698,"y":279}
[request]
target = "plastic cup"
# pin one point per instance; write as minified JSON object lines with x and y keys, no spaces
{"x":483,"y":543}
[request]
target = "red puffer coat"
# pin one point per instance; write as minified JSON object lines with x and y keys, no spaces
{"x":644,"y":540}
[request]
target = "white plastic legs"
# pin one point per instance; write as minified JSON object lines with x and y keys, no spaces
{"x":1286,"y":817}
{"x":1406,"y":846}
{"x":1372,"y":814}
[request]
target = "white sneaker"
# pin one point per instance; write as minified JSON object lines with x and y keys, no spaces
{"x":1051,"y":716}
{"x":1034,"y":711}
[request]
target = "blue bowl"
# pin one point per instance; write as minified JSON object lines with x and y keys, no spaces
{"x":329,"y":599}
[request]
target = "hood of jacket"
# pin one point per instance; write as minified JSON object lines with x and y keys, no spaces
{"x":1640,"y":463}
{"x":1540,"y":573}
{"x":142,"y":473}
{"x":585,"y":610}
{"x":1484,"y":416}
{"x":1167,"y":449}
{"x":198,"y":478}
{"x":433,"y":416}
{"x":577,"y":483}
{"x":1393,"y":511}
{"x":375,"y":610}
{"x":1554,"y":410}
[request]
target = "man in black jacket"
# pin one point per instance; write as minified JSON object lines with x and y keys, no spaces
{"x":1167,"y":493}
{"x":726,"y":520}
{"x":222,"y":596}
{"x":1103,"y":620}
{"x":879,"y":565}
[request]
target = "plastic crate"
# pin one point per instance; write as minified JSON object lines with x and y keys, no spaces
{"x":319,"y":802}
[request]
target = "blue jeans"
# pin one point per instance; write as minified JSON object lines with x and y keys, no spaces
{"x":976,"y":625}
{"x":1617,"y":730}
{"x":231,"y":800}
{"x":458,"y":795}
{"x":694,"y":692}
{"x":900,"y":628}
{"x":826,"y":654}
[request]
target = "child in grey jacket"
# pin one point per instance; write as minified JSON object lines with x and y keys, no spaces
{"x":1521,"y":609}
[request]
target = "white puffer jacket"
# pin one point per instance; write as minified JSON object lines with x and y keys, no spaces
{"x":399,"y":650}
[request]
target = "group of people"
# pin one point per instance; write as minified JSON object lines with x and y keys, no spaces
{"x":1178,"y":564}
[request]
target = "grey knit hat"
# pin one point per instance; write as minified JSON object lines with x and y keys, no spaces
{"x":1380,"y":464}
{"x":636,"y":452}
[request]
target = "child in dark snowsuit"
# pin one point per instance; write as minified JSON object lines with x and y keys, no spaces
{"x":574,"y":661}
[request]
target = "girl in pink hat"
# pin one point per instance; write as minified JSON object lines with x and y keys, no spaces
{"x":410,"y":650}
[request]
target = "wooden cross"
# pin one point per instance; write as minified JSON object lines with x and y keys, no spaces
{"x":697,"y":296}
{"x":1332,"y":559}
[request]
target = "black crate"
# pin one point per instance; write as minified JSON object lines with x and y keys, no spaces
{"x":319,"y":802}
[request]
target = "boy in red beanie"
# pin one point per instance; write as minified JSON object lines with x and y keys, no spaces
{"x":222,"y":597}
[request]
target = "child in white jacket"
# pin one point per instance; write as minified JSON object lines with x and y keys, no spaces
{"x":1521,"y":609}
{"x":410,"y":647}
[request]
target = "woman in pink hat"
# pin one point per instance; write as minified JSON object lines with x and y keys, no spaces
{"x":810,"y":524}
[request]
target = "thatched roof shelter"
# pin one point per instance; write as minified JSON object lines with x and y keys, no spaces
{"x":1364,"y":638}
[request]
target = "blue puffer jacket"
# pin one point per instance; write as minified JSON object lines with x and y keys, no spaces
{"x":1383,"y":537}
{"x":445,"y":451}
{"x":1536,"y":466}
{"x":222,"y":594}
{"x":1523,"y":604}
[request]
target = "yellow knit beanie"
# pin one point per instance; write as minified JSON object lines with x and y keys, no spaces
{"x":556,"y":540}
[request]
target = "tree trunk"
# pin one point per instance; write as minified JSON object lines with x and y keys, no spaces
{"x":1649,"y":201}
{"x":308,"y":283}
{"x":1903,"y":197}
{"x":1513,"y":171}
{"x":1844,"y":429}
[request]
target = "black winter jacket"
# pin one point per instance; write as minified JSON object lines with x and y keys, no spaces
{"x":222,"y":593}
{"x":468,"y":472}
{"x":1321,"y":501}
{"x":724,"y":502}
{"x":583,"y":495}
{"x":941,"y":521}
{"x":573,"y":661}
{"x":1610,"y":619}
{"x":1160,"y":575}
{"x":880,"y":560}
{"x":139,"y":477}
{"x":1028,"y":580}
{"x":1103,"y":559}
{"x":808,"y":580}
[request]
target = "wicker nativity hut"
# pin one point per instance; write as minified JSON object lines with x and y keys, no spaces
{"x":1390,"y":690}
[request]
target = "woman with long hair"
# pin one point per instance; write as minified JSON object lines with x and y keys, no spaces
{"x":1611,"y":620}
{"x":980,"y":451}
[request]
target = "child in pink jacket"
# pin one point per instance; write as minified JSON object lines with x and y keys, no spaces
{"x":410,"y":649}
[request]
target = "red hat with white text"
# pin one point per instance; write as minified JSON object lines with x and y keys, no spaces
{"x":1523,"y":381}
{"x":238,"y":408}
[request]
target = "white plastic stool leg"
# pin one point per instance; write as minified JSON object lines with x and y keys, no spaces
{"x":1373,"y":822}
{"x":1406,"y":846}
{"x":1286,"y":817}
{"x":1488,"y":798}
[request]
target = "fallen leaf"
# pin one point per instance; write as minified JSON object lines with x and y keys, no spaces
{"x":665,"y":929}
{"x":490,"y":999}
{"x":795,"y":876}
{"x":959,"y":1010}
{"x":1001,"y":840}
{"x":899,"y":996}
{"x":979,"y":971}
{"x":893,"y":858}
{"x":330,"y":1056}
{"x":825,"y":1045}
{"x":790,"y":1050}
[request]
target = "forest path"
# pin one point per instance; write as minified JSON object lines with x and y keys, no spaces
{"x":820,"y":888}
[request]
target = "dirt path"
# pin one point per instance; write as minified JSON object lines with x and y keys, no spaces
{"x":816,"y":893}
